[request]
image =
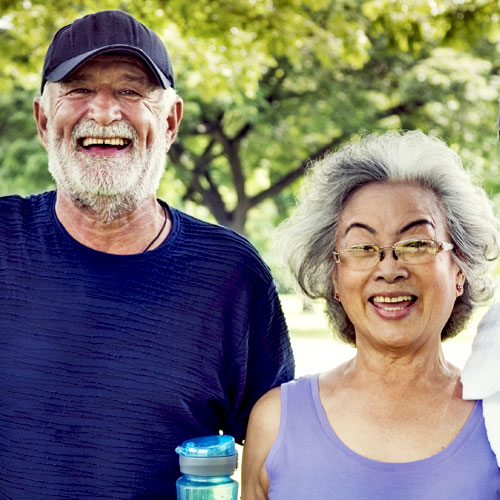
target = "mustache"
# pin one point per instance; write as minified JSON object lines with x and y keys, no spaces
{"x":89,"y":128}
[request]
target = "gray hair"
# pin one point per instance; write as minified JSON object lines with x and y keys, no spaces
{"x":307,"y":237}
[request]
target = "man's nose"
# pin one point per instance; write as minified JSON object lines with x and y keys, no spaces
{"x":104,"y":107}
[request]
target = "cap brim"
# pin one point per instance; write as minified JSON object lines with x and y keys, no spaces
{"x":67,"y":67}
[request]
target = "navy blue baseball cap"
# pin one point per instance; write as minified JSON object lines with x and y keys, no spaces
{"x":108,"y":31}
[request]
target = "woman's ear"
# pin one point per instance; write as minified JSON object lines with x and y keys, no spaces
{"x":459,"y":282}
{"x":333,"y":277}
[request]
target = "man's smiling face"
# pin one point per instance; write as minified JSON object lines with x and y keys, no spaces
{"x":106,"y":134}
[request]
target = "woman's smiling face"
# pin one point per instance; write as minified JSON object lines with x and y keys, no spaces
{"x":396,"y":305}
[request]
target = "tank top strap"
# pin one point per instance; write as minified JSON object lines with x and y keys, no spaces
{"x":299,"y":420}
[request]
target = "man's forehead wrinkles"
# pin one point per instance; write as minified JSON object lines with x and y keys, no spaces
{"x":75,"y":77}
{"x":124,"y":76}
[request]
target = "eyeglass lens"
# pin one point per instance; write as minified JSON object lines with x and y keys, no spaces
{"x":410,"y":251}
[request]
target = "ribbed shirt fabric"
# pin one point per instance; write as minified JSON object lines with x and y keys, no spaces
{"x":108,"y":362}
{"x":308,"y":460}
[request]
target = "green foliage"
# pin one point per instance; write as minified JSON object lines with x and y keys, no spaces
{"x":22,"y":157}
{"x":269,"y":85}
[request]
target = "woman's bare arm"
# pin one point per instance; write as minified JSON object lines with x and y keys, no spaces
{"x":261,"y":433}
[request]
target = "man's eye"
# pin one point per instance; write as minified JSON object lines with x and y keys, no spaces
{"x":129,"y":92}
{"x":79,"y":91}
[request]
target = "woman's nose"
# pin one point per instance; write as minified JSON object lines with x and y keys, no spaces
{"x":390,"y":268}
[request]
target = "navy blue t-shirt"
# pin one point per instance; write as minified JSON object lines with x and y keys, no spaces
{"x":107,"y":362}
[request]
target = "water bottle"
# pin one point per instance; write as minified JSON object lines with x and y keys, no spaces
{"x":207,"y":464}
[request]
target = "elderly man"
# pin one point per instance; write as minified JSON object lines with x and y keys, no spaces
{"x":126,"y":325}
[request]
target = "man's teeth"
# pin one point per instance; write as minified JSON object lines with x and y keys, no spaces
{"x":110,"y":141}
{"x":391,"y":300}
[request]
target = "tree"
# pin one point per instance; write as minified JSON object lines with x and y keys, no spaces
{"x":271,"y":85}
{"x":22,"y":157}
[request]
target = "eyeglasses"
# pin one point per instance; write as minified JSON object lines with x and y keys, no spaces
{"x":409,"y":251}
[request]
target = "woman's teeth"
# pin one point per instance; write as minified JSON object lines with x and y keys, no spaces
{"x":392,"y":300}
{"x":389,"y":303}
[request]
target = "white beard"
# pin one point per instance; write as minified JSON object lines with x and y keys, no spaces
{"x":105,"y":185}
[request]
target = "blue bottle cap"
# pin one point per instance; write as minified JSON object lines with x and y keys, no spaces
{"x":208,"y":446}
{"x":208,"y":455}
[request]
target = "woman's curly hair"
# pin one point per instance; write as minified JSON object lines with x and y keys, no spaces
{"x":307,"y":237}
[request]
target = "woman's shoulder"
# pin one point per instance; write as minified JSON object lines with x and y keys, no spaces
{"x":269,"y":403}
{"x":266,"y":414}
{"x":302,"y":381}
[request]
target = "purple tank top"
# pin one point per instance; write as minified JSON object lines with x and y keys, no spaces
{"x":308,"y":460}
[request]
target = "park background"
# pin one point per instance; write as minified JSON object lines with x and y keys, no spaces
{"x":270,"y":86}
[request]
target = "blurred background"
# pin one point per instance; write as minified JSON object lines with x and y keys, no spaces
{"x":271,"y":85}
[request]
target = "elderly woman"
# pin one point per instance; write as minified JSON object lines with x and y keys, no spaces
{"x":393,"y":235}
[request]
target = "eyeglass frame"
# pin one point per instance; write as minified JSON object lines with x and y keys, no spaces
{"x":443,"y":246}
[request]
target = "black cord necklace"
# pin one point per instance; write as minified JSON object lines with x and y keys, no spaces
{"x":161,"y":230}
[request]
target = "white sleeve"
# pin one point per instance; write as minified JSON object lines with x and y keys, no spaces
{"x":481,"y":374}
{"x":491,"y":412}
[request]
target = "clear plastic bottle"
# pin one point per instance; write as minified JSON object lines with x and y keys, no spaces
{"x":207,"y":464}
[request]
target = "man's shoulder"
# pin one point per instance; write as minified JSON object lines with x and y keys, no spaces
{"x":197,"y":228}
{"x":23,"y":204}
{"x":23,"y":219}
{"x":215,"y":241}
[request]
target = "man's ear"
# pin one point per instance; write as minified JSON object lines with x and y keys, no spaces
{"x":40,"y":119}
{"x":174,"y":119}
